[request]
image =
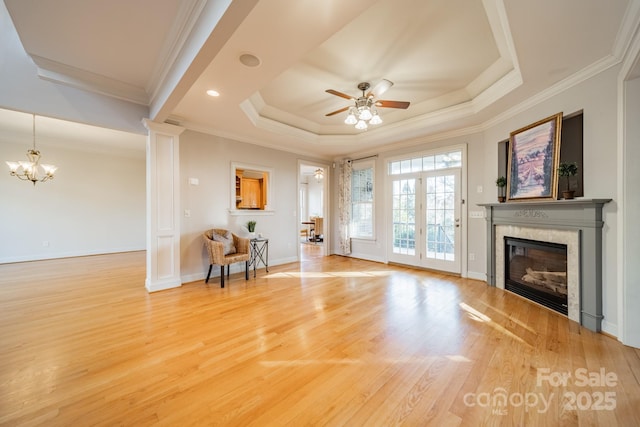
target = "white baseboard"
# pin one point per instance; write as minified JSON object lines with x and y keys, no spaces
{"x":162,"y":285}
{"x":366,"y":257}
{"x":69,"y":254}
{"x":610,"y":328}
{"x":477,"y":276}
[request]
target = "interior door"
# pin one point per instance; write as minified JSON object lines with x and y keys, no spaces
{"x":426,"y":221}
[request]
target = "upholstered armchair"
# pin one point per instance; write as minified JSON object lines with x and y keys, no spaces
{"x":225,"y":248}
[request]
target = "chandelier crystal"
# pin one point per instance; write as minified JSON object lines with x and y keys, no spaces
{"x":29,"y":171}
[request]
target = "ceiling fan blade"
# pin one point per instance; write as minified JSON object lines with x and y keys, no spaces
{"x":340,"y":94}
{"x":381,"y":87}
{"x":393,"y":104}
{"x":337,"y":111}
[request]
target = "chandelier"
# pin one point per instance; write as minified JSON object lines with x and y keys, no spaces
{"x":318,"y":174}
{"x":29,"y":171}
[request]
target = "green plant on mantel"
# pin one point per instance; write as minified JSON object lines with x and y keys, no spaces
{"x":567,"y":170}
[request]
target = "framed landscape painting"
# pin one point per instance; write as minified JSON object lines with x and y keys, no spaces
{"x":533,"y":160}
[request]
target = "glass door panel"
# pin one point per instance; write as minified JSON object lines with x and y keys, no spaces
{"x":403,"y":224}
{"x":442,"y":220}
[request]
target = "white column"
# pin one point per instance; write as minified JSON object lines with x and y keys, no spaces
{"x":163,"y":206}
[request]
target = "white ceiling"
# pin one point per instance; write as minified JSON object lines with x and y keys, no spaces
{"x":459,"y":62}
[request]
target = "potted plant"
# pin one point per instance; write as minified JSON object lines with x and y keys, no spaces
{"x":567,"y":170}
{"x":251,"y":226}
{"x":501,"y":183}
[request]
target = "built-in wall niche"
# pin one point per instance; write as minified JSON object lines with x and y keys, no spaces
{"x":251,"y":189}
{"x":571,"y":143}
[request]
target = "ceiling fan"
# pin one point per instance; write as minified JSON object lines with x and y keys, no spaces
{"x":364,"y":109}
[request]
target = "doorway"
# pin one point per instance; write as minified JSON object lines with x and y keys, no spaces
{"x":426,"y":211}
{"x":312,"y":210}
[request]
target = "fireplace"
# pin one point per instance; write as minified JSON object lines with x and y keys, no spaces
{"x":577,"y":224}
{"x":538,"y":271}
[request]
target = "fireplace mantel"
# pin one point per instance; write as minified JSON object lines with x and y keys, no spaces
{"x":581,"y":215}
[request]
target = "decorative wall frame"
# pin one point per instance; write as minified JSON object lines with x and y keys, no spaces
{"x":534,"y":153}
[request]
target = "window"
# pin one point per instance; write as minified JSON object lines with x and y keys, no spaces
{"x":452,"y":159}
{"x":362,"y":201}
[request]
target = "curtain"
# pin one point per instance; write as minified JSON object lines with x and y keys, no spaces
{"x":344,"y":206}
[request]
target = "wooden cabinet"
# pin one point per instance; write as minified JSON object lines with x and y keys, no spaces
{"x":251,"y":193}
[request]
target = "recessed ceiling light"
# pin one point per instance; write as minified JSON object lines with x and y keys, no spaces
{"x":212,"y":92}
{"x":249,"y":59}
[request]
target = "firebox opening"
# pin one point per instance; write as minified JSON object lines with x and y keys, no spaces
{"x":537,"y":271}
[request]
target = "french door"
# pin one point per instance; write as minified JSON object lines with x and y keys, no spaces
{"x":425,"y":225}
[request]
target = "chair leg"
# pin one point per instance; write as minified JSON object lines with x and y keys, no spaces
{"x":228,"y":270}
{"x":209,"y":273}
{"x":222,"y":276}
{"x":246,"y":270}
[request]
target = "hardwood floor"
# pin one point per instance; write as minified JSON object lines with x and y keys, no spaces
{"x":331,"y":341}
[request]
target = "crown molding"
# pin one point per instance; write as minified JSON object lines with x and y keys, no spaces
{"x":57,"y":72}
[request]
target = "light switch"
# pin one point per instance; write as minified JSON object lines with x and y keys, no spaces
{"x":194,"y":181}
{"x":476,"y":214}
{"x":187,"y":213}
{"x":479,"y":189}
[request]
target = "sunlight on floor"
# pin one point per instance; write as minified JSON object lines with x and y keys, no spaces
{"x":481,"y":317}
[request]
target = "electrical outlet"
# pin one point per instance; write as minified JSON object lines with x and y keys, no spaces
{"x":187,"y":213}
{"x":479,"y":189}
{"x":45,"y":243}
{"x":472,"y":256}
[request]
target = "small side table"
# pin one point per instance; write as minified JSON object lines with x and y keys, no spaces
{"x":259,"y":248}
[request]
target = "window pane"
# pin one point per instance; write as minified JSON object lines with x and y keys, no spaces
{"x":405,"y":166}
{"x":416,"y":165}
{"x":404,"y":227}
{"x":428,"y":163}
{"x":394,"y":168}
{"x":455,"y":159}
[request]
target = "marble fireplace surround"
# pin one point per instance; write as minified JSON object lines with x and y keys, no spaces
{"x":576,"y":223}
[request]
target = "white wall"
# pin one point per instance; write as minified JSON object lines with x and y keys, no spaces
{"x":95,"y":204}
{"x":208,"y":158}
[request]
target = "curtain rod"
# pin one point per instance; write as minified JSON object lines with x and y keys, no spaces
{"x":362,"y":158}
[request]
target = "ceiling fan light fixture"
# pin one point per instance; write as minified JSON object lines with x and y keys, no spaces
{"x":376,"y":119}
{"x":365,"y":113}
{"x":361,"y":125}
{"x":351,"y":117}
